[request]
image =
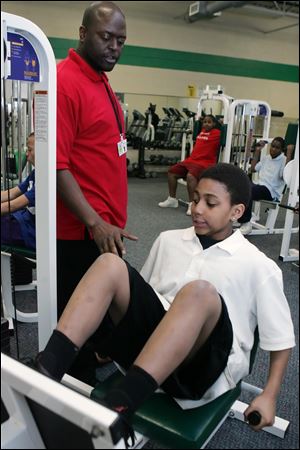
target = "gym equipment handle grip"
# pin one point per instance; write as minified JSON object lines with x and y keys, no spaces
{"x":254,"y":418}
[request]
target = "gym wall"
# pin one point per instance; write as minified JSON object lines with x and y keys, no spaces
{"x":245,"y":62}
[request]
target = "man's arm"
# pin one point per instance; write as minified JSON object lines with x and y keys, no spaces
{"x":107,"y":237}
{"x":265,"y":403}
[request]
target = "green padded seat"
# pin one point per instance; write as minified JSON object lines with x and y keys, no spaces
{"x":22,"y":251}
{"x":162,"y":419}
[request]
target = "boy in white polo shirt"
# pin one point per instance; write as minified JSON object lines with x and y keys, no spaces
{"x":187,"y":324}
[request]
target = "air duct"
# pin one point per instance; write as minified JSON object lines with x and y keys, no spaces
{"x":206,"y":10}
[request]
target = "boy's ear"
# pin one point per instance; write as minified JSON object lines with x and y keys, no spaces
{"x":238,"y":210}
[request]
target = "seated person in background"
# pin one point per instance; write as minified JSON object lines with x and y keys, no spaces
{"x":204,"y":154}
{"x":18,"y":208}
{"x":271,"y":183}
{"x":187,"y":322}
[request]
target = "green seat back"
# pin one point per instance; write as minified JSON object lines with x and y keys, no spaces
{"x":291,"y":134}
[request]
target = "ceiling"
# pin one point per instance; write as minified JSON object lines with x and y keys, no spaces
{"x":261,"y":16}
{"x":256,"y":16}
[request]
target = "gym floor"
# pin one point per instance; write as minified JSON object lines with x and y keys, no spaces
{"x":147,"y":220}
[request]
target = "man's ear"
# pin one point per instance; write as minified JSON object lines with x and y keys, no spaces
{"x":82,"y":33}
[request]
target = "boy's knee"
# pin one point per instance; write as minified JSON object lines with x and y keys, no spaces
{"x":190,"y":177}
{"x":110,"y":260}
{"x":200,"y":290}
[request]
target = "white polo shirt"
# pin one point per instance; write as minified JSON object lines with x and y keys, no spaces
{"x":249,"y":282}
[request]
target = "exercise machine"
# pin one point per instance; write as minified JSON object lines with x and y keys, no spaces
{"x":288,"y":254}
{"x":38,"y":413}
{"x":27,"y":59}
{"x":247,"y":120}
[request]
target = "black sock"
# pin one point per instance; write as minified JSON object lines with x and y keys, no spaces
{"x":134,"y":389}
{"x":59,"y":354}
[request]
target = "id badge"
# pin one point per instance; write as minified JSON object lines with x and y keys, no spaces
{"x":122,"y":146}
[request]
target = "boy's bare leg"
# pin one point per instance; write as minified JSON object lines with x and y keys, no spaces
{"x":191,"y":185}
{"x":172,"y":183}
{"x":184,"y":329}
{"x":105,"y":286}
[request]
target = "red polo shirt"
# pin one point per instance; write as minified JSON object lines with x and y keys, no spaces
{"x":87,"y":138}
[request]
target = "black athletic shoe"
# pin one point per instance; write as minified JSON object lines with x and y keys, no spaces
{"x":40,"y":368}
{"x":126,"y":431}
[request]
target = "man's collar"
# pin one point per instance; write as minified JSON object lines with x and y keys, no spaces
{"x":86,"y":68}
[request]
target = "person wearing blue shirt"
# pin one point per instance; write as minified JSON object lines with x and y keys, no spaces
{"x":18,"y":208}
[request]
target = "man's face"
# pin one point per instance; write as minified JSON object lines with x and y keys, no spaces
{"x":103,"y":41}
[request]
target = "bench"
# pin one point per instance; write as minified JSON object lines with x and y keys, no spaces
{"x":162,"y":419}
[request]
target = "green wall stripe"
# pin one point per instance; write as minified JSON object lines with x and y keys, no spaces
{"x":192,"y":62}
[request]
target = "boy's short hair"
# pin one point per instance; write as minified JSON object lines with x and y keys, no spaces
{"x":281,"y":141}
{"x":235,"y":179}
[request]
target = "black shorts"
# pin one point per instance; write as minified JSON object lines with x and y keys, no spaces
{"x":124,"y":342}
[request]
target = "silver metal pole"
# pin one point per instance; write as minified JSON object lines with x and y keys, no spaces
{"x":3,"y":135}
{"x":19,"y":131}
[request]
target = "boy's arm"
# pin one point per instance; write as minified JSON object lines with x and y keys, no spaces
{"x":265,"y":403}
{"x":14,"y":205}
{"x":13,"y":193}
{"x":256,"y":156}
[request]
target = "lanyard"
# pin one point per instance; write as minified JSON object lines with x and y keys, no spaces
{"x":112,"y":99}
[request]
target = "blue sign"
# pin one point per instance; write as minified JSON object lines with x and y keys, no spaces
{"x":22,"y":58}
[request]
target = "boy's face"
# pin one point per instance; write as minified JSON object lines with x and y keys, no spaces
{"x":212,"y":212}
{"x":208,"y":123}
{"x":275,"y":149}
{"x":30,"y":150}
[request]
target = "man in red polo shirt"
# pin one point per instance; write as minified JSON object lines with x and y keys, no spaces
{"x":91,"y":151}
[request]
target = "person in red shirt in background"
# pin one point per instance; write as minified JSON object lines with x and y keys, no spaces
{"x":91,"y":158}
{"x":204,"y":155}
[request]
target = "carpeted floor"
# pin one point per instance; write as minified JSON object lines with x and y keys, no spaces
{"x":147,"y":220}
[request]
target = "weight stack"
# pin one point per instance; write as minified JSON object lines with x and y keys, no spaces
{"x":5,"y":345}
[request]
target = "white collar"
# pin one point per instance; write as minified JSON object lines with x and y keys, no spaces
{"x":230,"y":244}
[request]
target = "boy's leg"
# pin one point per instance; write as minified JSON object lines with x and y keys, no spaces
{"x":258,"y":192}
{"x":172,"y":183}
{"x":183,"y":330}
{"x":192,"y":182}
{"x":11,"y":231}
{"x":105,"y":287}
{"x":70,"y":269}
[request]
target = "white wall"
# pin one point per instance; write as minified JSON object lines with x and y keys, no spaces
{"x":216,"y":37}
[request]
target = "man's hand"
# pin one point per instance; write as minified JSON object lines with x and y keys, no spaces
{"x":109,"y":238}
